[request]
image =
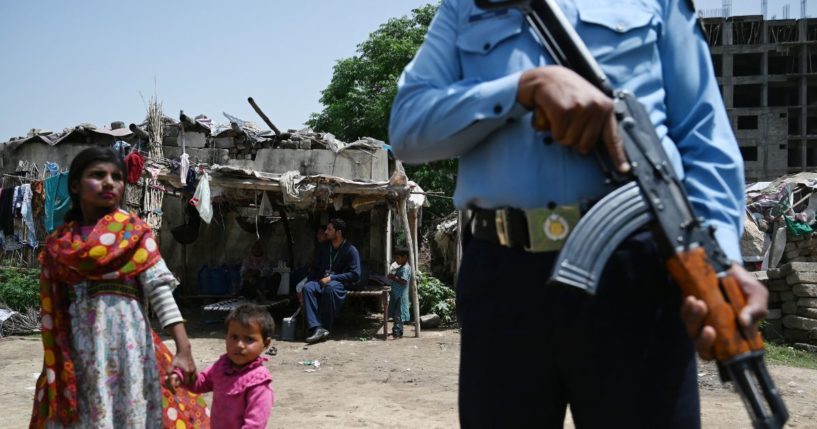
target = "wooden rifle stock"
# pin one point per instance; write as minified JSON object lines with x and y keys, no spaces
{"x":724,"y":299}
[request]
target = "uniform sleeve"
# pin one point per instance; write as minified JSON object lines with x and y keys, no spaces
{"x":158,"y":284}
{"x":259,"y":406}
{"x":439,"y":115}
{"x":697,"y":122}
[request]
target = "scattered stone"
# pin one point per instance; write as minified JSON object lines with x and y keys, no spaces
{"x":787,"y":296}
{"x":789,"y":307}
{"x":805,"y":347}
{"x":430,"y":321}
{"x":805,"y":290}
{"x":797,"y":322}
{"x":811,"y":313}
{"x":761,"y":275}
{"x":798,"y":277}
{"x":807,"y":302}
{"x":774,"y":314}
{"x":774,"y":273}
{"x":798,"y":266}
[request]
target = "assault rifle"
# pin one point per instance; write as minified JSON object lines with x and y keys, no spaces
{"x":652,"y":195}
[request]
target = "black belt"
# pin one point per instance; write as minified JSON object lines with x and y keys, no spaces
{"x":515,"y":234}
{"x":535,"y":230}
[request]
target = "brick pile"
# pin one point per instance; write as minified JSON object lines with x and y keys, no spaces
{"x":800,"y":248}
{"x":792,"y":303}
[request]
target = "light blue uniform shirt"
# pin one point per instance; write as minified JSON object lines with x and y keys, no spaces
{"x":457,"y":98}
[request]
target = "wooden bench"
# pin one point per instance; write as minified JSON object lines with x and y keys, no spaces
{"x":381,"y":293}
{"x":230,"y":304}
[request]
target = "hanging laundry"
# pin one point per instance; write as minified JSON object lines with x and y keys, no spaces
{"x":191,"y":181}
{"x":6,"y":210}
{"x":18,"y":202}
{"x":265,"y":209}
{"x":122,"y":147}
{"x":28,"y":214}
{"x":201,"y":199}
{"x":185,"y":165}
{"x":135,"y":163}
{"x":52,"y":168}
{"x":154,"y":172}
{"x":38,"y":200}
{"x":57,"y":201}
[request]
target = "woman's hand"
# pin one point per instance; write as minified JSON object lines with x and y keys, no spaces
{"x":184,"y":361}
{"x":184,"y":354}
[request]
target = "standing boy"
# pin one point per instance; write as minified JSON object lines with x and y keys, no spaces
{"x":399,"y":277}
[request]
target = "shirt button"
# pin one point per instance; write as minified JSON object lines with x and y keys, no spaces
{"x":486,"y":46}
{"x":497,"y":108}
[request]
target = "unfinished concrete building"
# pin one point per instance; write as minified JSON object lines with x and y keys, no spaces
{"x":767,"y":73}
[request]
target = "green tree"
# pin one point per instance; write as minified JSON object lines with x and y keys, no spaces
{"x":358,"y":99}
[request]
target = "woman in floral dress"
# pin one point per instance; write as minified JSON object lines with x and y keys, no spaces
{"x":103,"y":366}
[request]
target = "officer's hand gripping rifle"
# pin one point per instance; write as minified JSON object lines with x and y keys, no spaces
{"x":651,"y":194}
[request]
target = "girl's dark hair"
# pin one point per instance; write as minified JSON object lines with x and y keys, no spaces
{"x":84,"y":160}
{"x":247,"y":314}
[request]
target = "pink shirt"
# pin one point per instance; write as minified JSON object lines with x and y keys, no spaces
{"x":242,"y":397}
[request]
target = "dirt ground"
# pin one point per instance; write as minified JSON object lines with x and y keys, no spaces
{"x":367,"y":382}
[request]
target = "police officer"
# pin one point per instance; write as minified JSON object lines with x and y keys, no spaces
{"x":483,"y":89}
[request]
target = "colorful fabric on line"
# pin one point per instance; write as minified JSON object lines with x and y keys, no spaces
{"x":6,"y":211}
{"x":57,"y":201}
{"x":119,"y":248}
{"x":135,"y":163}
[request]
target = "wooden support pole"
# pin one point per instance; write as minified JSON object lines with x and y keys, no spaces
{"x":415,"y":298}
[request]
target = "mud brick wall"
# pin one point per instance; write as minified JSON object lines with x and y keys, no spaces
{"x":792,"y":302}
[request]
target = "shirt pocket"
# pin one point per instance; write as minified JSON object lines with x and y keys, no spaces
{"x":486,"y":47}
{"x":622,"y":36}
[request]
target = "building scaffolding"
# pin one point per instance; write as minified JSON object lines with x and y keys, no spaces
{"x":767,"y":74}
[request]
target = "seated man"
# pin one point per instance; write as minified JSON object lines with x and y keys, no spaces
{"x":257,"y":280}
{"x":336,"y":266}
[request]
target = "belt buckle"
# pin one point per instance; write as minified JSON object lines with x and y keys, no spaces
{"x":548,"y":229}
{"x":501,"y":221}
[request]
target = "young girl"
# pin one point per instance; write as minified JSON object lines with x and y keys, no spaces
{"x":103,"y":365}
{"x":241,"y":384}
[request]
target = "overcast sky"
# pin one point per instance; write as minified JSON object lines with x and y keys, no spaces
{"x":67,"y":62}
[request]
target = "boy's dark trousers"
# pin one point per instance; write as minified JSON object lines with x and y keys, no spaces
{"x":397,"y":315}
{"x":621,"y":359}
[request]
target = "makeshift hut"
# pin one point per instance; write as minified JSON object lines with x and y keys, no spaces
{"x":215,"y":189}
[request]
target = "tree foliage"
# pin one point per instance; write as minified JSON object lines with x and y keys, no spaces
{"x":358,"y":99}
{"x":20,"y":289}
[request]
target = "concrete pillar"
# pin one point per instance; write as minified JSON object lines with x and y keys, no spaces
{"x":802,"y":27}
{"x":727,"y":65}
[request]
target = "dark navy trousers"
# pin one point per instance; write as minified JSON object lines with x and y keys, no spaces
{"x":620,"y":359}
{"x":323,"y":303}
